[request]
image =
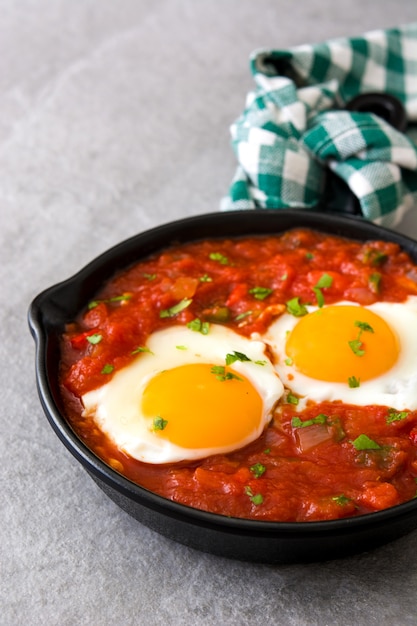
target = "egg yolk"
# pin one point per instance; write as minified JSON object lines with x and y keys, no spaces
{"x":199,"y":409}
{"x":336,"y":343}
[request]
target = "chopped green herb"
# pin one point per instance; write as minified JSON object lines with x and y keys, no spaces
{"x":181,"y":347}
{"x":150,"y":276}
{"x":296,"y":422}
{"x":284,"y":276}
{"x":375,"y":257}
{"x":254,"y":498}
{"x":260,"y":362}
{"x":375,"y":282}
{"x":205,"y":279}
{"x":295,"y":308}
{"x":107,"y":369}
{"x":319,"y":296}
{"x":141,"y":349}
{"x":356,"y":344}
{"x":257,"y":499}
{"x":221,"y":374}
{"x":124,"y":297}
{"x":354,"y":382}
{"x":288,"y":361}
{"x":342,"y":500}
{"x":396,"y":416}
{"x":218,"y":256}
{"x":291,"y":399}
{"x":258,"y":469}
{"x":242,"y":316}
{"x":325,"y":280}
{"x":267,"y":451}
{"x":309,"y":256}
{"x":94,"y":339}
{"x":231,"y":376}
{"x":177,"y":308}
{"x":364,"y":326}
{"x":159,"y":423}
{"x":198,"y":326}
{"x":236,"y":356}
{"x":363,"y":442}
{"x":260,"y":293}
{"x":356,"y":347}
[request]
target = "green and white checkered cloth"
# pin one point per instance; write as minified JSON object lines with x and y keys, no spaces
{"x":295,"y":126}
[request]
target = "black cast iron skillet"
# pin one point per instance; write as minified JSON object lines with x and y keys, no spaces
{"x":267,"y":542}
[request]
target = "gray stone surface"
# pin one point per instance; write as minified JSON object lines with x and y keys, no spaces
{"x":114,"y":118}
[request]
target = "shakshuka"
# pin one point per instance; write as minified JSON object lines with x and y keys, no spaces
{"x":270,"y":377}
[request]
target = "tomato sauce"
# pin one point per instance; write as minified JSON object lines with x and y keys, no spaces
{"x":330,"y":460}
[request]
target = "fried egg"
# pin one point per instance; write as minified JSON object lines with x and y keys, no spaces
{"x":188,"y":395}
{"x":356,"y":354}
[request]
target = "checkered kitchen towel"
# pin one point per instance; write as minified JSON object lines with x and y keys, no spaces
{"x":295,"y":126}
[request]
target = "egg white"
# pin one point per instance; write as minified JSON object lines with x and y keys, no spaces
{"x":397,"y":388}
{"x":116,"y":405}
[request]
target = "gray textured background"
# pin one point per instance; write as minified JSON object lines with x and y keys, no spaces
{"x":114,"y":118}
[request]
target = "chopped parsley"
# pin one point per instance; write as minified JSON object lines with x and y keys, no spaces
{"x":319,"y":296}
{"x":199,"y":326}
{"x":363,"y":442}
{"x":395,"y":416}
{"x":375,"y":257}
{"x":342,"y":500}
{"x":374,"y":282}
{"x":295,"y":308}
{"x":354,"y":382}
{"x":356,"y":345}
{"x":288,"y":361}
{"x":205,"y":279}
{"x":123,"y":298}
{"x":107,"y":369}
{"x":242,"y":316}
{"x":296,"y":422}
{"x":309,"y":256}
{"x":149,"y":276}
{"x":221,"y":374}
{"x":94,"y":339}
{"x":364,"y":327}
{"x":159,"y":423}
{"x":141,"y":349}
{"x":260,"y":293}
{"x":324,"y":281}
{"x":177,"y":308}
{"x":219,"y":257}
{"x":254,"y":498}
{"x":236,"y":356}
{"x":258,"y":469}
{"x":291,"y":399}
{"x":181,"y":347}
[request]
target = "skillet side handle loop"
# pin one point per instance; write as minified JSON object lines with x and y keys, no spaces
{"x":385,"y":105}
{"x":337,"y":194}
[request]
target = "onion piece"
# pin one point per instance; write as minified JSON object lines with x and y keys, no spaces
{"x":311,"y":436}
